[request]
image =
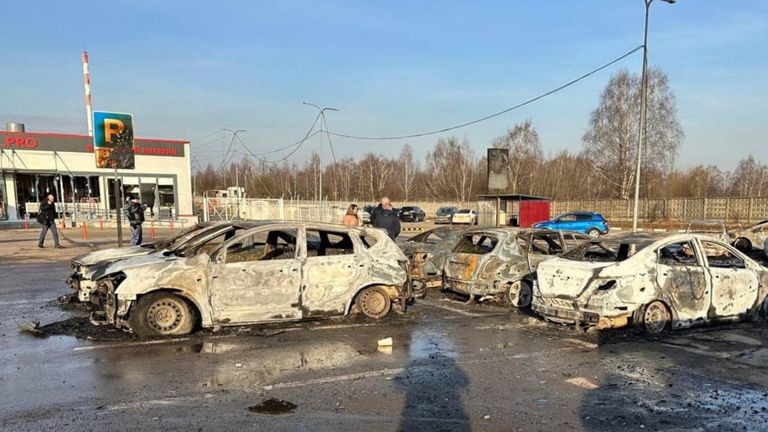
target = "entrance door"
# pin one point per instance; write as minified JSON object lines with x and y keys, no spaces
{"x":734,"y":287}
{"x":684,"y":280}
{"x":332,"y":270}
{"x":255,"y":277}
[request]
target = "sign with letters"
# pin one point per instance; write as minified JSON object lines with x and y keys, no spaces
{"x":113,"y":140}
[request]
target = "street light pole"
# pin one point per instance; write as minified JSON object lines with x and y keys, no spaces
{"x":643,"y":111}
{"x":237,"y":177}
{"x":322,"y":115}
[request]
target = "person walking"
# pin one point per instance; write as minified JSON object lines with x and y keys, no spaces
{"x":385,"y":217}
{"x":351,"y":218}
{"x":46,"y":215}
{"x":134,"y":213}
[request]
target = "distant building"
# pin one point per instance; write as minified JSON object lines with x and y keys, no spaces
{"x":33,"y":164}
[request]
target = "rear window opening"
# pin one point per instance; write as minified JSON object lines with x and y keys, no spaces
{"x":478,"y":244}
{"x":604,"y":251}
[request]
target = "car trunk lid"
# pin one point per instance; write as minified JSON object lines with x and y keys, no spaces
{"x":564,"y":278}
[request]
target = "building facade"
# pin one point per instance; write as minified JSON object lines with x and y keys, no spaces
{"x":34,"y":164}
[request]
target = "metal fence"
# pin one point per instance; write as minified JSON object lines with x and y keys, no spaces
{"x":674,"y":209}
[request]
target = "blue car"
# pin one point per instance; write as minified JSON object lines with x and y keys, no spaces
{"x":590,"y":223}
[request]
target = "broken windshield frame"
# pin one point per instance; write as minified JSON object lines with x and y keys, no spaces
{"x":604,"y":251}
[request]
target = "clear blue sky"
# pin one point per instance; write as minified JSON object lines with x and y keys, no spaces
{"x":187,"y":68}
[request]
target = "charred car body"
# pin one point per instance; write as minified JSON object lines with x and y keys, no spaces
{"x":502,"y":262}
{"x":427,"y":253}
{"x":85,"y":266}
{"x":676,"y":282}
{"x":276,"y":271}
{"x":753,"y":237}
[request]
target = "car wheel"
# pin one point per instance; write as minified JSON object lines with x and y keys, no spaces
{"x":593,"y":232}
{"x":743,"y":244}
{"x":519,"y":294}
{"x":374,"y":302}
{"x":656,"y":318}
{"x":162,"y":314}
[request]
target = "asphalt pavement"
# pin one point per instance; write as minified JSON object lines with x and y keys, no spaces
{"x":452,"y":366}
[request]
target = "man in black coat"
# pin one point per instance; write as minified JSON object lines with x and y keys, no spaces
{"x":46,"y":215}
{"x":134,"y":212}
{"x":384,"y":216}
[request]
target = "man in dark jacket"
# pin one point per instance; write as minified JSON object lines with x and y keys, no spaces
{"x":46,"y":215}
{"x":134,"y":213}
{"x":384,"y":216}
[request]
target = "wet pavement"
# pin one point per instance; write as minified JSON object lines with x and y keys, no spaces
{"x":452,"y":366}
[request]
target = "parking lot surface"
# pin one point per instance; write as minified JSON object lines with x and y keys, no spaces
{"x":452,"y":366}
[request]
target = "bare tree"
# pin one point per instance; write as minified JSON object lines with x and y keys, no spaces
{"x":525,"y":155}
{"x":406,"y":173}
{"x":451,"y":169}
{"x":610,"y":142}
{"x":749,"y":179}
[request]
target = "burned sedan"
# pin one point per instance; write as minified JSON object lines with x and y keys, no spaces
{"x":274,"y":272}
{"x":501,"y":262}
{"x":85,"y":266}
{"x":753,"y":237}
{"x":427,"y":252}
{"x":676,"y":282}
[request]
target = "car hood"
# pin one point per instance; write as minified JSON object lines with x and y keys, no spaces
{"x":95,"y":257}
{"x":112,"y":267}
{"x":564,"y":278}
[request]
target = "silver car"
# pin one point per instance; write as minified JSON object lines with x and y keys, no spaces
{"x":277,"y":271}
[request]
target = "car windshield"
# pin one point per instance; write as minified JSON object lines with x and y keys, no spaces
{"x":605,"y":251}
{"x":170,"y":240}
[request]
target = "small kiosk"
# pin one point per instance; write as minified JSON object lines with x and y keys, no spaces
{"x":514,"y":210}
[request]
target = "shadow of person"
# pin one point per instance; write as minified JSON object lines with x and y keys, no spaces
{"x":433,"y":396}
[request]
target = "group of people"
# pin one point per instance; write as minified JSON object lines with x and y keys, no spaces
{"x":382,"y":216}
{"x":46,"y":216}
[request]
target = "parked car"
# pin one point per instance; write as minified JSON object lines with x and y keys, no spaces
{"x":590,"y":223}
{"x":365,"y":215}
{"x":502,"y":262}
{"x":412,"y":214}
{"x":465,"y":216}
{"x":273,"y":272}
{"x":427,"y":252}
{"x":676,"y":282}
{"x":83,"y":266}
{"x":444,"y":214}
{"x":755,"y":236}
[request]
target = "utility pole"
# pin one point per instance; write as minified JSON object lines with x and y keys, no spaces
{"x":237,"y":177}
{"x":643,"y":111}
{"x":322,"y":115}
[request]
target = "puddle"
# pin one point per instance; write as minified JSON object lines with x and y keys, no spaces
{"x":273,"y":406}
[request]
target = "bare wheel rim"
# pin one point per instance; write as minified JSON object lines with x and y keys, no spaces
{"x":165,"y":315}
{"x":373,"y":302}
{"x":655,"y":317}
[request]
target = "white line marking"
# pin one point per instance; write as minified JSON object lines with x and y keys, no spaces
{"x":332,"y":379}
{"x":129,"y":344}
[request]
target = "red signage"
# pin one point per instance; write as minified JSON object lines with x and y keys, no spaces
{"x":22,"y":142}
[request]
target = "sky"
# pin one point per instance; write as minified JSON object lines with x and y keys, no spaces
{"x":188,"y":69}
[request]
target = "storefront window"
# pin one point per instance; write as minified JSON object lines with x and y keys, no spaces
{"x":3,"y":200}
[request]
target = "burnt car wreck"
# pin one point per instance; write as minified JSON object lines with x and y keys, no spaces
{"x":427,"y":252}
{"x":676,"y":282}
{"x":273,"y":272}
{"x":502,"y":262}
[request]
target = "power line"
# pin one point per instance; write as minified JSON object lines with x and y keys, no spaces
{"x":496,"y":114}
{"x":297,"y":145}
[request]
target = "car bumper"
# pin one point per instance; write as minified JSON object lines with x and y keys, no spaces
{"x":466,"y":287}
{"x":409,"y":218}
{"x":575,"y":316}
{"x":442,"y":219}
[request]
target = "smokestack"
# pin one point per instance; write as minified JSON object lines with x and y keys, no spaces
{"x":87,"y":87}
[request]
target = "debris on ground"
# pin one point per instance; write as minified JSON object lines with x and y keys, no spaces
{"x":386,"y":342}
{"x":33,"y":328}
{"x":273,"y":406}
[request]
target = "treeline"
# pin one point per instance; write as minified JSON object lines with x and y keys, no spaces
{"x":604,"y":167}
{"x":453,"y":172}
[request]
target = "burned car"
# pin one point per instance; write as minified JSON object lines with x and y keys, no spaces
{"x":753,"y":237}
{"x":427,"y":252}
{"x":676,"y":282}
{"x":501,"y":262}
{"x":276,"y":271}
{"x":84,"y":266}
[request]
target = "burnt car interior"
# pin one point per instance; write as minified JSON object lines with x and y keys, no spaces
{"x":546,"y":244}
{"x":208,"y":243}
{"x":263,"y":246}
{"x":719,"y":256}
{"x":479,"y":244}
{"x":604,"y":251}
{"x":325,"y":243}
{"x":678,"y":254}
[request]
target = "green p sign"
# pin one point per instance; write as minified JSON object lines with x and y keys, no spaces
{"x":113,"y":140}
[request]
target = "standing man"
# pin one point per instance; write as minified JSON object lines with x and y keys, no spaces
{"x":46,"y":215}
{"x":384,"y":216}
{"x":134,"y":213}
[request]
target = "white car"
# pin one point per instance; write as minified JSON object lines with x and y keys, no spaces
{"x":676,"y":282}
{"x":465,"y":216}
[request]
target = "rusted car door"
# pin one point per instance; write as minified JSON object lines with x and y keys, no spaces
{"x":256,"y":277}
{"x":332,"y":271}
{"x":682,"y":277}
{"x":734,"y":286}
